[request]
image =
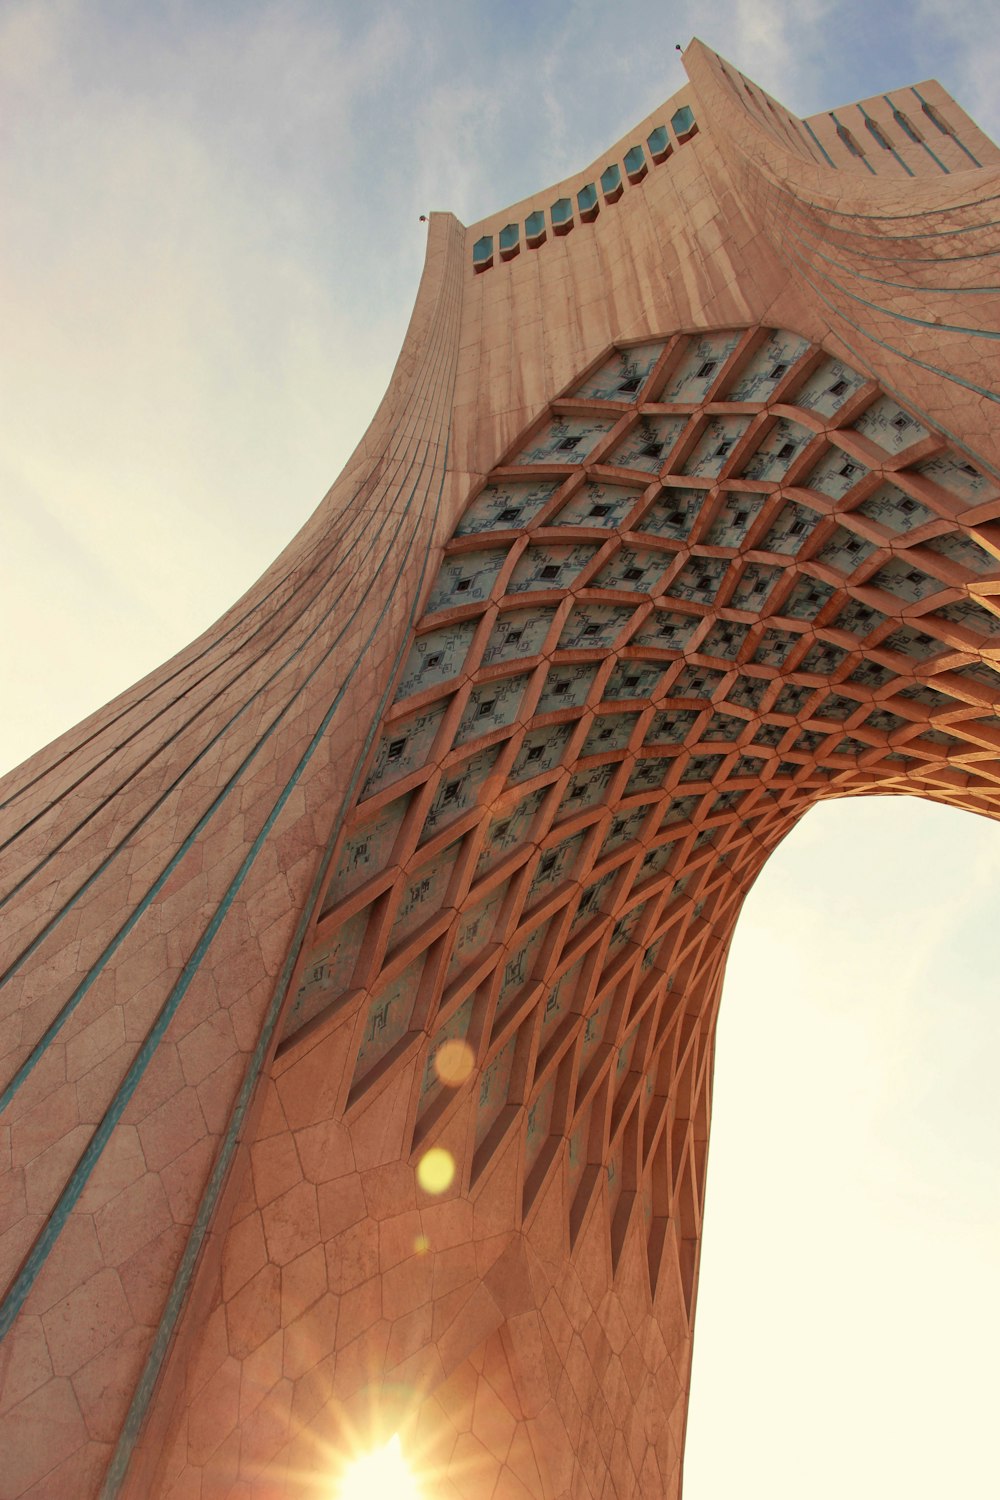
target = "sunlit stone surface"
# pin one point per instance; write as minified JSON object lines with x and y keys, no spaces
{"x":361,"y":966}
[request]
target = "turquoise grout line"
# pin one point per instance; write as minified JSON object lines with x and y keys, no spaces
{"x":821,"y":146}
{"x":78,"y":995}
{"x":953,"y":134}
{"x":867,"y":118}
{"x":138,"y":702}
{"x":935,"y":422}
{"x":188,"y":691}
{"x":204,"y":708}
{"x":918,"y":213}
{"x":923,"y":143}
{"x":902,"y":286}
{"x":982,"y":333}
{"x":161,"y":1343}
{"x":19,"y":1288}
{"x":55,"y":1026}
{"x":91,"y":879}
{"x":862,"y":157}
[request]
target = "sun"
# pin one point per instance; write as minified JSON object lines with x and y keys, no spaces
{"x":382,"y":1474}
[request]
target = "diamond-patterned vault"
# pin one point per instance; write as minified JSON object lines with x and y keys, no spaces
{"x":723,"y":576}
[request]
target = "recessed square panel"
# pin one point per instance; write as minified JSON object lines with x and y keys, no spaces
{"x":828,"y":388}
{"x":492,"y":705}
{"x":887,"y":424}
{"x":587,"y":788}
{"x":494,"y":1083}
{"x":715,"y":447}
{"x":458,"y":789}
{"x":647,"y":446}
{"x":435,"y":657}
{"x":609,"y":731}
{"x":507,"y":830}
{"x":699,"y":368}
{"x":775,"y":455}
{"x":366,"y":850}
{"x":895,"y":509}
{"x":566,"y":686}
{"x":387,"y":1019}
{"x":540,"y":750}
{"x":958,"y":476}
{"x":634,"y":679}
{"x":905,"y":581}
{"x":734,"y":518}
{"x":596,"y":504}
{"x":506,"y":506}
{"x":549,"y":566}
{"x":835,"y":474}
{"x":621,"y":377}
{"x":767,"y":368}
{"x":635,"y":570}
{"x":674,"y":513}
{"x":794,"y":525}
{"x":465,"y":578}
{"x":403,"y":748}
{"x":422,"y":894}
{"x":667,"y":630}
{"x":594,"y":625}
{"x":566,"y":440}
{"x":845,"y":550}
{"x":700,"y":579}
{"x":518,"y":633}
{"x":327,"y":974}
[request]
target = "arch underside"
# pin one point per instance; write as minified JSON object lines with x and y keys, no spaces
{"x":722,"y":577}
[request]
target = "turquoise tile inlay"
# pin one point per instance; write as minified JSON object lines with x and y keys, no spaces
{"x":510,"y":240}
{"x":682,"y":122}
{"x":658,"y":142}
{"x":534,"y":229}
{"x":561,"y":214}
{"x":611,"y":182}
{"x":635,"y":164}
{"x":586,"y":202}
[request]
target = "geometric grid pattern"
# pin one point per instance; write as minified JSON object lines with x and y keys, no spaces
{"x":721,"y":577}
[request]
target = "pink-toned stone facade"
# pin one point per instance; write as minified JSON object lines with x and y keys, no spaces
{"x":681,"y":513}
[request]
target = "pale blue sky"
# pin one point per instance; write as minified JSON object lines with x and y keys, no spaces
{"x":210,"y":252}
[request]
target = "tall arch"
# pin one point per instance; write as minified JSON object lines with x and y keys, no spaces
{"x":722,"y":577}
{"x":718,"y":580}
{"x":676,"y":517}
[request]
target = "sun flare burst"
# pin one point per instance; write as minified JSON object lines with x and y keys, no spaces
{"x":382,"y":1474}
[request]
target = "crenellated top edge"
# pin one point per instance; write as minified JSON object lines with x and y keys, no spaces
{"x":911,"y":132}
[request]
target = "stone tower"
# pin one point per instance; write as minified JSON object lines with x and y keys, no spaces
{"x":360,"y":966}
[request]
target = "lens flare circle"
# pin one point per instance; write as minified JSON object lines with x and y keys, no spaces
{"x":436,"y":1170}
{"x":454,"y":1060}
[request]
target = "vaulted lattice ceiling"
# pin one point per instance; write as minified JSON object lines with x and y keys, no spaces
{"x":722,"y":577}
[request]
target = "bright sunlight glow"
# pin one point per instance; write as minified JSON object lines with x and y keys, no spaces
{"x":381,"y":1475}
